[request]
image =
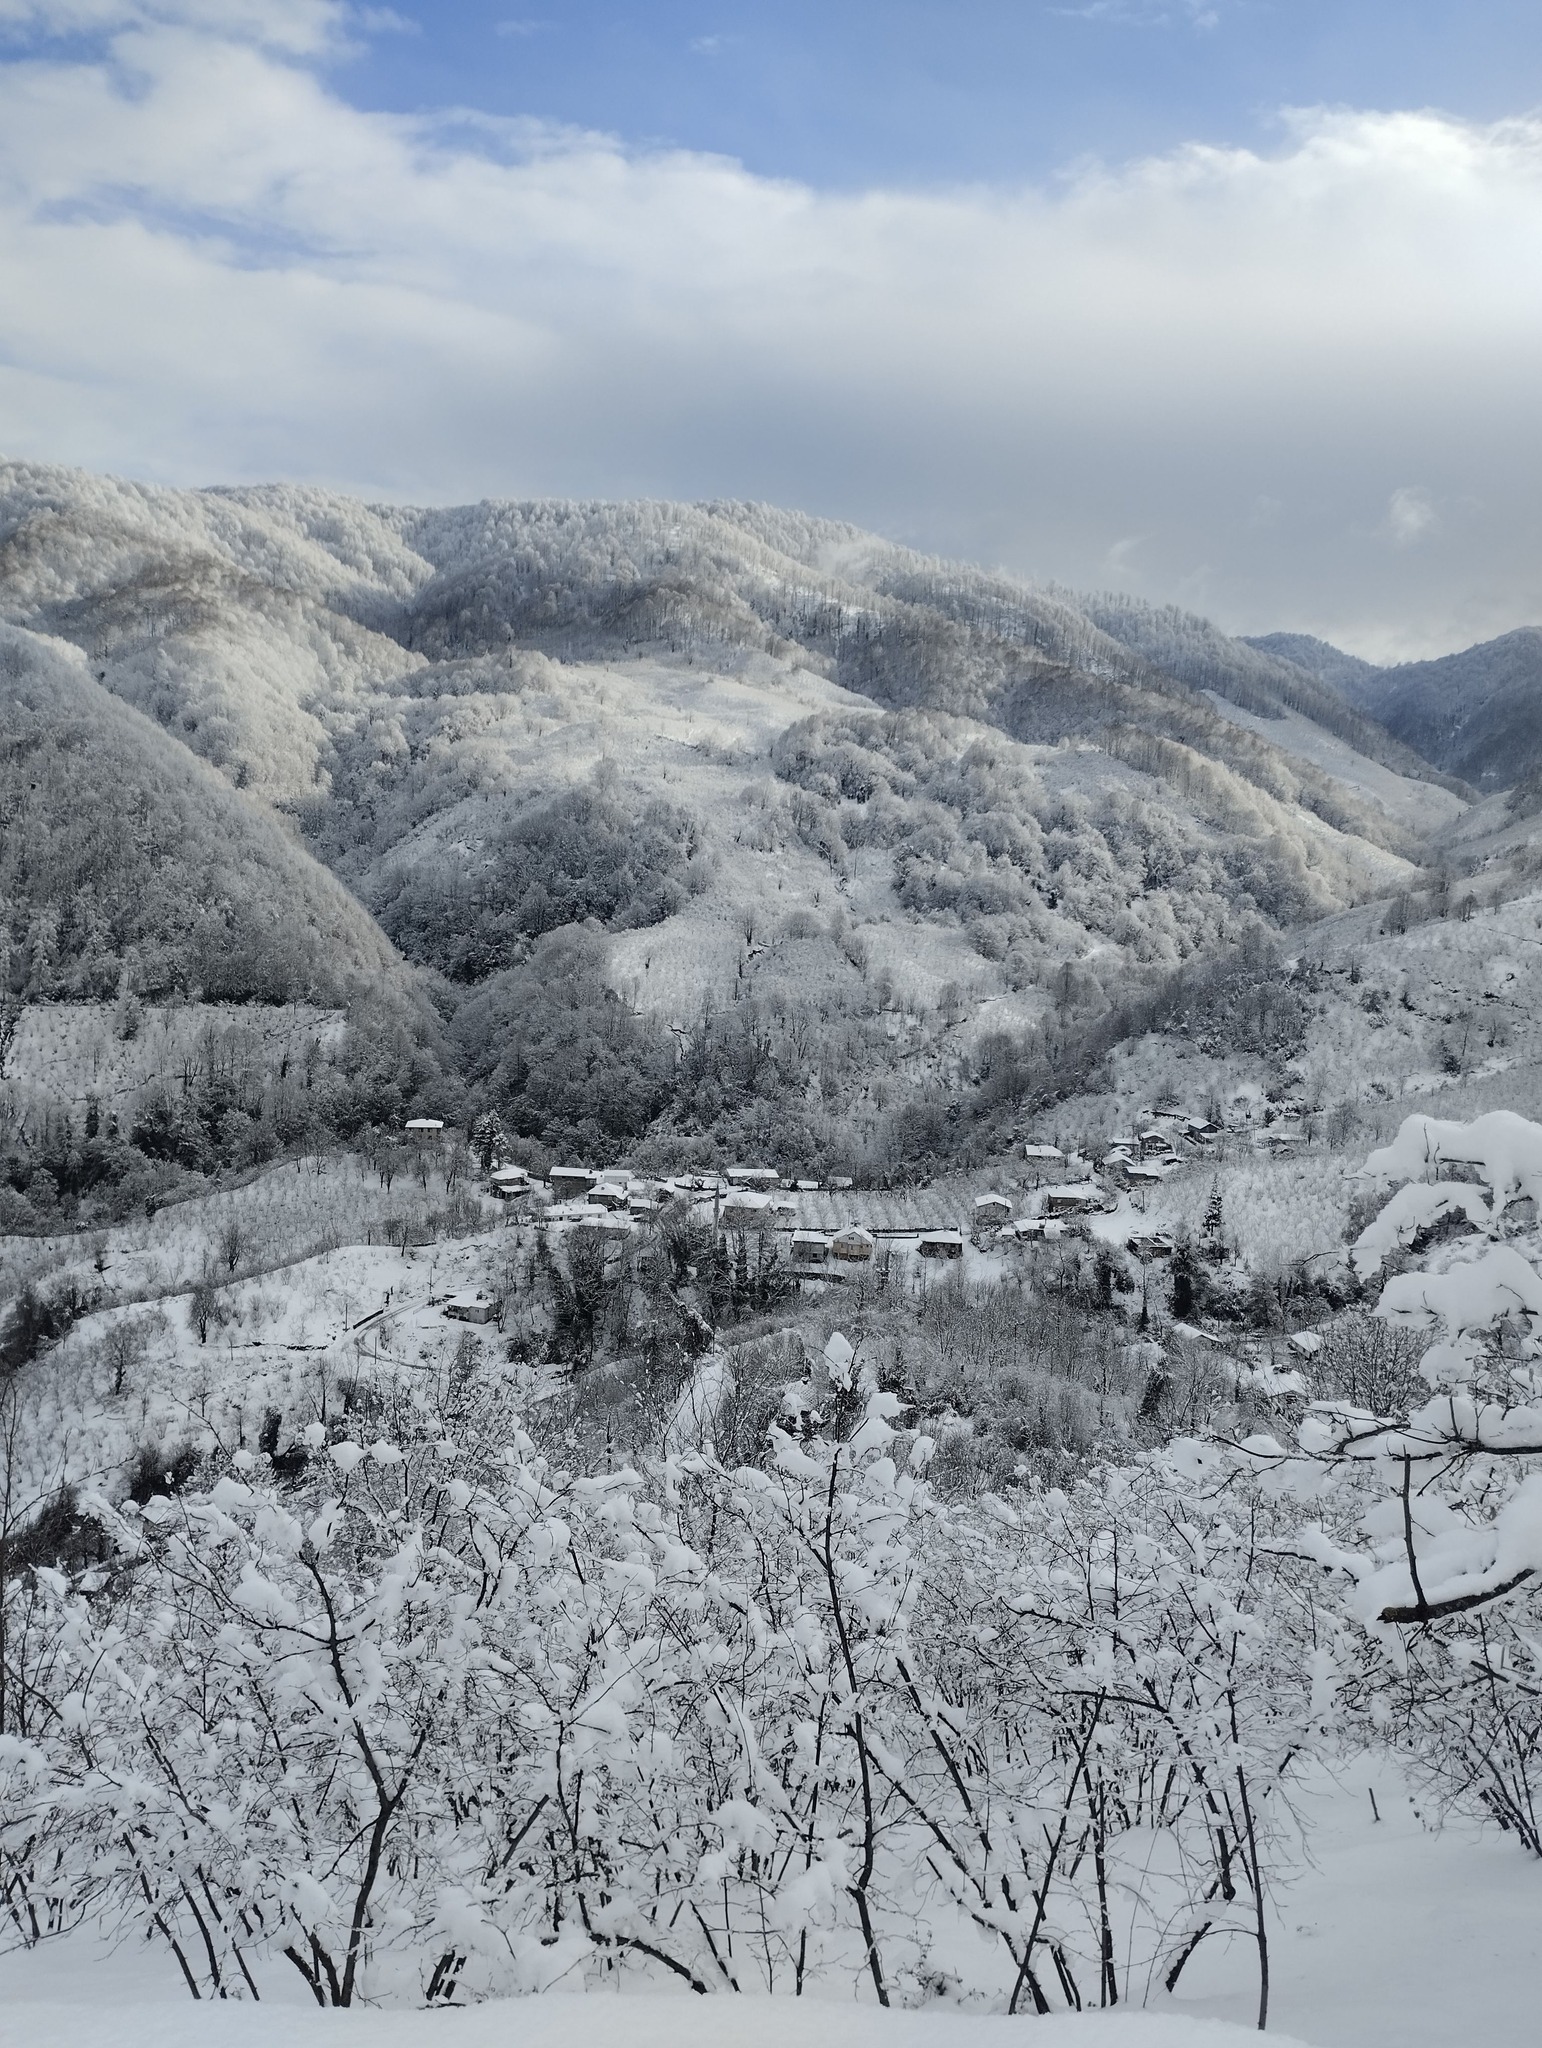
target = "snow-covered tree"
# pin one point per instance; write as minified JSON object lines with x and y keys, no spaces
{"x":1433,"y":1518}
{"x":443,"y":1721}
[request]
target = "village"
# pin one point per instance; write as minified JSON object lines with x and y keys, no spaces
{"x":831,"y":1231}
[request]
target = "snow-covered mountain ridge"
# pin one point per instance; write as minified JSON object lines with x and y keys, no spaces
{"x":391,"y":676}
{"x":1476,"y":713}
{"x":739,"y":766}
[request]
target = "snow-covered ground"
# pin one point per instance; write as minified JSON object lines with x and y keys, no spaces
{"x":1422,"y":807}
{"x":1399,"y":1937}
{"x":556,"y":2022}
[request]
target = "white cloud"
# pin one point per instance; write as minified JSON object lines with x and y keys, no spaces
{"x":303,"y":27}
{"x":217,"y":269}
{"x":1199,"y":14}
{"x":1411,"y":515}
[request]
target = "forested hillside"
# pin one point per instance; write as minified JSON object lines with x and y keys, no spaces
{"x":694,"y":821}
{"x":1477,"y":714}
{"x":127,"y":862}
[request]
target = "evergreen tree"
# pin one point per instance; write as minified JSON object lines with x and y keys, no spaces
{"x":1214,"y":1221}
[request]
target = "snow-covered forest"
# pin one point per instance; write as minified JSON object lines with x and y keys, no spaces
{"x":738,"y":1264}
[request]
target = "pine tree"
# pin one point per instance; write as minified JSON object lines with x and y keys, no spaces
{"x":1183,"y":1290}
{"x":488,"y":1139}
{"x":1214,"y":1221}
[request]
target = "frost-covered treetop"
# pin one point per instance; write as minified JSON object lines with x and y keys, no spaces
{"x":1503,"y":1149}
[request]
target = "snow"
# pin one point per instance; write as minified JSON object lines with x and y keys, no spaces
{"x":1397,"y":1937}
{"x":1468,"y":1297}
{"x":1412,"y":1209}
{"x":1505,"y":1148}
{"x":555,"y":2021}
{"x":1419,"y":806}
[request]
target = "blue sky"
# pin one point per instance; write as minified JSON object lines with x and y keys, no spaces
{"x":849,"y":92}
{"x":1231,"y":304}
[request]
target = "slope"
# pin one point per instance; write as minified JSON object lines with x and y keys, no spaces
{"x":1477,"y":714}
{"x":126,"y":861}
{"x":875,"y":809}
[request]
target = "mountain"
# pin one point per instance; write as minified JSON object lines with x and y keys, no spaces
{"x":1345,"y":673}
{"x":125,"y":860}
{"x":1476,"y":714}
{"x":827,"y":815}
{"x":1253,"y":675}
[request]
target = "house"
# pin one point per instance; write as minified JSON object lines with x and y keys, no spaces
{"x":471,"y":1308}
{"x":610,"y":1194}
{"x":1076,"y":1198}
{"x":1034,"y":1230}
{"x":566,"y":1182}
{"x":754,"y":1177}
{"x":940,"y":1244}
{"x":508,"y":1183}
{"x":1153,"y":1143}
{"x":852,"y":1244}
{"x":810,"y":1248}
{"x":1150,"y":1244}
{"x":991,"y":1208}
{"x":1043,"y":1159}
{"x":745,"y":1210}
{"x":425,"y":1130}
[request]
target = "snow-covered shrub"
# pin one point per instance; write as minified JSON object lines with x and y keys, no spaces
{"x":1433,"y":1516}
{"x":445,"y":1721}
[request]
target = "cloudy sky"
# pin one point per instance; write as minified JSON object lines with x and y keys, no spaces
{"x":1231,"y":302}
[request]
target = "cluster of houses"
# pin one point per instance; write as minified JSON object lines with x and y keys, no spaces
{"x":1069,"y":1187}
{"x":1065,"y":1190}
{"x":752,"y":1199}
{"x":746,"y":1198}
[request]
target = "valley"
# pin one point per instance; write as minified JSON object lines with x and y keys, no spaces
{"x":858,"y":1183}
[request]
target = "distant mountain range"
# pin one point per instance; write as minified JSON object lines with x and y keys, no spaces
{"x":1477,"y":714}
{"x":726,"y":762}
